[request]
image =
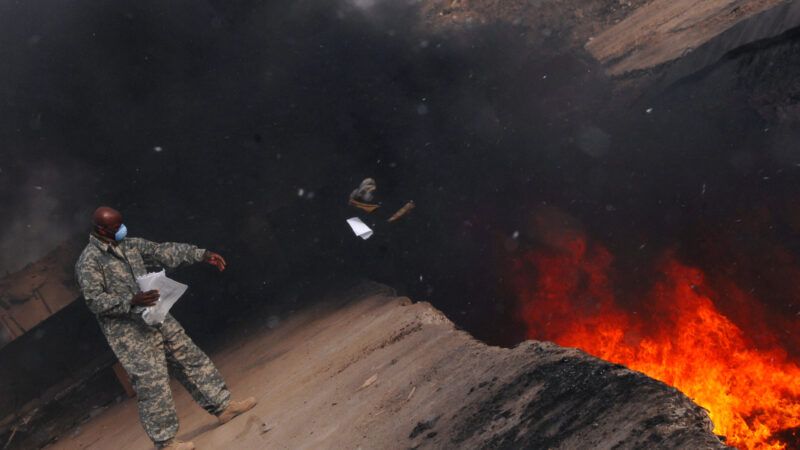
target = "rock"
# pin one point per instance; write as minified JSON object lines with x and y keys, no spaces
{"x":369,"y":381}
{"x":423,"y":426}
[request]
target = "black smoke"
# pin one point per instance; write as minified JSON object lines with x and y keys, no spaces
{"x":242,"y":126}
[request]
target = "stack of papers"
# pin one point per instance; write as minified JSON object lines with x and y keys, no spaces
{"x":169,"y":292}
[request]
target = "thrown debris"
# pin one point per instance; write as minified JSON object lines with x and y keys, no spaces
{"x":362,"y":196}
{"x":402,"y":211}
{"x":364,"y":199}
{"x":360,"y":228}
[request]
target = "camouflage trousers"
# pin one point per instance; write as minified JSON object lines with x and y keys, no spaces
{"x":149,"y":354}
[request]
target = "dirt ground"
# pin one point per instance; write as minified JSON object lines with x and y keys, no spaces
{"x":377,"y":371}
{"x":665,"y":30}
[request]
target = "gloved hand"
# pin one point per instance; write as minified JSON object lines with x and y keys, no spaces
{"x":216,"y":260}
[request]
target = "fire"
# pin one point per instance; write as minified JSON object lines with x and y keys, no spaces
{"x":677,"y":335}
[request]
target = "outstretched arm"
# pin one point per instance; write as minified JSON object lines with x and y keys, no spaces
{"x":168,"y":254}
{"x":173,"y":254}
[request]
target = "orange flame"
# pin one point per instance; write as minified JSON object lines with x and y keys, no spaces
{"x":678,"y":337}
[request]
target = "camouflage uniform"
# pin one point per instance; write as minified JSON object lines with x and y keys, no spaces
{"x":107,"y":277}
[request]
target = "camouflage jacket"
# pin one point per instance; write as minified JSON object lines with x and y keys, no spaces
{"x":107,"y":274}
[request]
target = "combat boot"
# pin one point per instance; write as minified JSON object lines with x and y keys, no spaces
{"x":176,"y":445}
{"x":235,"y":408}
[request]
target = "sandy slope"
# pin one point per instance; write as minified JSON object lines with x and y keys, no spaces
{"x":376,"y":371}
{"x":665,"y":30}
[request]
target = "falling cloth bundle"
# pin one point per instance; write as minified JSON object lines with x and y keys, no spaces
{"x":169,"y":292}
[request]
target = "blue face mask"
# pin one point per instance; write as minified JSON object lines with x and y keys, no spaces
{"x":121,"y":233}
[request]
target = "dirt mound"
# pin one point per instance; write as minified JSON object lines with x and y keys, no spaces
{"x":377,"y":371}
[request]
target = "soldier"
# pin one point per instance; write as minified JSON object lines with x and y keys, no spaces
{"x":106,"y":272}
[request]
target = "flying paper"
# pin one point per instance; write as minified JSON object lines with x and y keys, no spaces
{"x":360,"y":228}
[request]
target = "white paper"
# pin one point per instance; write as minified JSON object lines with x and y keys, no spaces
{"x":169,"y":292}
{"x":359,"y":228}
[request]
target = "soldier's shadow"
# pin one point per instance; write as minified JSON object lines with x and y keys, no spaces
{"x":192,"y":434}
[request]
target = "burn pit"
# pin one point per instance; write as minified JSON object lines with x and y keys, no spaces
{"x":675,"y":332}
{"x":551,"y":201}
